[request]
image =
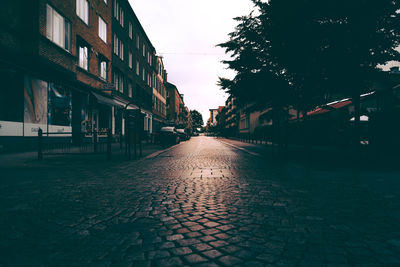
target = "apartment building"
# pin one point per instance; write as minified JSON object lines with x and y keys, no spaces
{"x":175,"y":106}
{"x":159,"y":95}
{"x":54,"y":56}
{"x":133,"y":66}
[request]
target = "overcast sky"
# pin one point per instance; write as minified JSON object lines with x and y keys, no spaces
{"x":185,"y":33}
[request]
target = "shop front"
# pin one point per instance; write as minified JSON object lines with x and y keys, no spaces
{"x":28,"y":103}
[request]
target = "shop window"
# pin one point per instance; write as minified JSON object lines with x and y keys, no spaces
{"x":35,"y":101}
{"x":11,"y":96}
{"x":58,"y":29}
{"x":60,"y":112}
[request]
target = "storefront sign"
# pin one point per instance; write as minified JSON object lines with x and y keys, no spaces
{"x":10,"y":128}
{"x":32,"y":129}
{"x":108,"y":86}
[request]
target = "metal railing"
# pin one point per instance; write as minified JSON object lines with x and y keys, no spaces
{"x":64,"y":143}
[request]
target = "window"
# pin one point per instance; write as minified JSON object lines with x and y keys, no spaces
{"x":130,"y":60}
{"x":116,"y":9}
{"x":130,"y":89}
{"x":82,"y":10}
{"x":144,"y":50}
{"x":116,"y":44}
{"x":103,"y":69}
{"x":130,"y":30}
{"x":83,"y":57}
{"x":118,"y":81}
{"x":121,"y":17}
{"x":58,"y":29}
{"x":137,"y":42}
{"x":143,"y":75}
{"x":137,"y":68}
{"x":121,"y":50}
{"x":102,"y":30}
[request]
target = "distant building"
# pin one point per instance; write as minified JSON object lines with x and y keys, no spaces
{"x":159,"y":96}
{"x":174,"y":104}
{"x":213,"y":117}
{"x":133,"y":65}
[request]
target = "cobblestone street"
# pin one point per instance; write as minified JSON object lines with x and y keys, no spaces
{"x":201,"y":203}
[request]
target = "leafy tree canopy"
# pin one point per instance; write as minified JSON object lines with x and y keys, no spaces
{"x":197,"y":119}
{"x":297,"y":52}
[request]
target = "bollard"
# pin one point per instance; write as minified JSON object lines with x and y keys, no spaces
{"x":109,"y":140}
{"x":40,"y":143}
{"x":140,"y":146}
{"x":95,"y":141}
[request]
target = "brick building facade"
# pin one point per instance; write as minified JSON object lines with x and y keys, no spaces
{"x":159,"y":96}
{"x":58,"y":54}
{"x":177,"y":112}
{"x":63,"y":72}
{"x":133,"y":65}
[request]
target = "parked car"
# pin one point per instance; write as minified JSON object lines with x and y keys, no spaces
{"x":182,"y":134}
{"x":168,"y":136}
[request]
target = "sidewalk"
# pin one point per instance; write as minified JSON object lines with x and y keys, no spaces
{"x":321,"y":157}
{"x":56,"y":157}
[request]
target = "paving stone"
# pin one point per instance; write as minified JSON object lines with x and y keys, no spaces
{"x":166,"y":245}
{"x":207,"y":264}
{"x":222,"y":236}
{"x":158,"y":254}
{"x":229,"y":260}
{"x":174,"y":261}
{"x":201,"y":197}
{"x":211,"y":224}
{"x":245,"y":254}
{"x":195,"y":258}
{"x":219,"y":243}
{"x":207,"y":238}
{"x":212,"y":253}
{"x":193,"y":234}
{"x":181,"y":251}
{"x":174,"y":237}
{"x":210,"y":231}
{"x":230,"y":249}
{"x":201,"y":247}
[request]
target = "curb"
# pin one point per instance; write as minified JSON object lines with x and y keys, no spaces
{"x":157,"y":153}
{"x":240,"y":148}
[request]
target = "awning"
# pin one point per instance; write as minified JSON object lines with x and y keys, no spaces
{"x":114,"y":102}
{"x":108,"y":101}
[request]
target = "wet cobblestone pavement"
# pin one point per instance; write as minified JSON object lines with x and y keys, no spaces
{"x":201,"y":203}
